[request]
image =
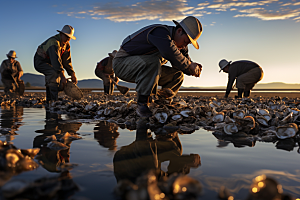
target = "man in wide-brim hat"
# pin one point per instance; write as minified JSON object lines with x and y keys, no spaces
{"x":245,"y":72}
{"x":143,"y":54}
{"x":11,"y":73}
{"x":53,"y":57}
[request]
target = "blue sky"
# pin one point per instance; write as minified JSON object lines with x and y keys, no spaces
{"x":266,"y":31}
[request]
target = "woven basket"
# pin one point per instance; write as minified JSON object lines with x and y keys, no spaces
{"x":73,"y":90}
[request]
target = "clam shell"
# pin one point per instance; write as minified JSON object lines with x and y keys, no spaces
{"x":176,"y":117}
{"x":186,"y":112}
{"x":262,"y":120}
{"x":230,"y":128}
{"x":161,"y":117}
{"x":219,"y":117}
{"x":286,"y":131}
{"x":239,"y":113}
{"x":262,"y":111}
{"x":288,"y":118}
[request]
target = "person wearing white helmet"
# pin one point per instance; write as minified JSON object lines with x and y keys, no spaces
{"x":246,"y":73}
{"x":143,"y":54}
{"x":53,"y":57}
{"x":11,"y":73}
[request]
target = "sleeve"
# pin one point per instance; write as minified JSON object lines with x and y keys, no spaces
{"x":19,"y":67}
{"x":231,"y":78}
{"x":67,"y":62}
{"x":55,"y":58}
{"x":161,"y":39}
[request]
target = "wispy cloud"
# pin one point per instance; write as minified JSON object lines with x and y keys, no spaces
{"x":144,"y":10}
{"x":263,"y":14}
{"x":165,"y":10}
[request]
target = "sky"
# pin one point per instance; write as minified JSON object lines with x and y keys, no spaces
{"x":266,"y":32}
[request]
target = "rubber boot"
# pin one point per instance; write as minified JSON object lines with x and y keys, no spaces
{"x":143,"y":109}
{"x":106,"y":89}
{"x":247,"y":93}
{"x":240,"y":93}
{"x":48,"y":98}
{"x":53,"y":93}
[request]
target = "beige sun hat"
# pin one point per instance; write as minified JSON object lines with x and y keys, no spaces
{"x":11,"y":54}
{"x":193,"y":28}
{"x":223,"y":63}
{"x":68,"y":31}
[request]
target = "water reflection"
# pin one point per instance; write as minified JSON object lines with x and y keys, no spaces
{"x":147,"y":153}
{"x":54,"y":157}
{"x":106,"y":134}
{"x":237,"y":142}
{"x":11,"y":120}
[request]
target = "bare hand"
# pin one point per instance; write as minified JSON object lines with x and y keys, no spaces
{"x":195,"y":69}
{"x":74,"y":79}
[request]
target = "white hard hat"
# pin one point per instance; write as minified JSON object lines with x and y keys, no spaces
{"x":11,"y":54}
{"x":223,"y":63}
{"x":193,"y":28}
{"x":68,"y":31}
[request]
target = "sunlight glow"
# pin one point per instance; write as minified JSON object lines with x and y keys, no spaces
{"x":254,"y":190}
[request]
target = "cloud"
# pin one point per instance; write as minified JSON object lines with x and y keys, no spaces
{"x":144,"y":10}
{"x":263,"y":14}
{"x":223,"y":7}
{"x":166,"y":10}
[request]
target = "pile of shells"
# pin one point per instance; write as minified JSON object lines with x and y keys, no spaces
{"x":268,"y":119}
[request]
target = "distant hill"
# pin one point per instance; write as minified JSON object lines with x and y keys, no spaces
{"x":39,"y":81}
{"x":98,"y":83}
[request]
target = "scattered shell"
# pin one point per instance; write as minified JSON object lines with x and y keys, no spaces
{"x":286,"y":131}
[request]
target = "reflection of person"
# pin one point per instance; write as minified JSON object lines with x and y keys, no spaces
{"x":52,"y":57}
{"x":246,"y":73}
{"x":106,"y":73}
{"x":10,"y":118}
{"x":51,"y":159}
{"x":106,"y":134}
{"x":145,"y":153}
{"x":143,"y":54}
{"x":11,"y":72}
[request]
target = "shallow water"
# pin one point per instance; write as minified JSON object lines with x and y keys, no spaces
{"x":232,"y":165}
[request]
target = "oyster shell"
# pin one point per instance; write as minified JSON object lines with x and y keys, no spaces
{"x":286,"y":131}
{"x":218,"y":117}
{"x":262,"y":120}
{"x":229,"y":129}
{"x":239,"y":113}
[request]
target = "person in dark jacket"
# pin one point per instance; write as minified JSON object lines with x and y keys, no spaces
{"x":246,"y":73}
{"x":105,"y":72}
{"x":143,"y":54}
{"x":52,"y":57}
{"x":11,"y":73}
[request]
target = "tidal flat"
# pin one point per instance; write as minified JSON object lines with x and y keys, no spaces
{"x":87,"y":147}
